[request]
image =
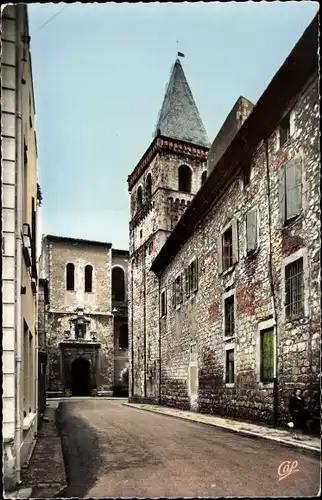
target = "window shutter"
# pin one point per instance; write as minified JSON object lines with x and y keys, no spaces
{"x":196,"y":275}
{"x":293,"y":179}
{"x":281,"y":194}
{"x":186,"y":278}
{"x":251,"y":230}
{"x":165,"y":302}
{"x":235,"y":240}
{"x":219,"y":254}
{"x":181,"y":289}
{"x":174,"y":294}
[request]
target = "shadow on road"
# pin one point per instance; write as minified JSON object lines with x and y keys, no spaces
{"x":81,"y":453}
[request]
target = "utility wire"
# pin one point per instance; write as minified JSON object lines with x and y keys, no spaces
{"x":51,"y":18}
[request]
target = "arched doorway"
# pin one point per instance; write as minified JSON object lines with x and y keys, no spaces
{"x":80,"y":377}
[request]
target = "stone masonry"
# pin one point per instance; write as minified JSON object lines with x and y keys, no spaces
{"x":96,"y":305}
{"x":186,"y":344}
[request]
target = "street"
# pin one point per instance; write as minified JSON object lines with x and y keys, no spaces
{"x":115,"y":451}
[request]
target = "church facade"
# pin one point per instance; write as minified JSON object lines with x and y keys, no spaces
{"x":224,"y":275}
{"x":86,"y":323}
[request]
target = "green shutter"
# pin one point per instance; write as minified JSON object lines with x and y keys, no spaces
{"x":267,"y":355}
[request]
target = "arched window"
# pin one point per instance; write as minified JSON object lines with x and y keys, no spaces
{"x":139,"y":199}
{"x":88,"y":278}
{"x":118,"y":288}
{"x":123,"y":337}
{"x":203,"y":177}
{"x":185,"y":179}
{"x":70,"y":277}
{"x":148,"y":186}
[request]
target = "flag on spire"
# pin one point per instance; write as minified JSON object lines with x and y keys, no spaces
{"x":180,"y":54}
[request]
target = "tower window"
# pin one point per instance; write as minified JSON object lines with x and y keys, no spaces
{"x":148,"y":186}
{"x":70,"y":277}
{"x":203,"y":177}
{"x":139,"y":199}
{"x":185,"y":177}
{"x":88,"y":278}
{"x":118,"y":288}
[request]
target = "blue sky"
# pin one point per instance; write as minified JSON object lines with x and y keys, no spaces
{"x":100,"y":72}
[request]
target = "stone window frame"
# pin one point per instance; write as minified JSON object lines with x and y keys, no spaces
{"x":264,"y":325}
{"x":292,"y":128}
{"x":251,"y":177}
{"x":163,"y":292}
{"x":75,"y":276}
{"x":254,"y":251}
{"x":228,"y":347}
{"x":204,"y":176}
{"x":93,"y":276}
{"x":185,"y":166}
{"x":225,"y":296}
{"x":233,"y":224}
{"x":139,"y":205}
{"x":300,"y":254}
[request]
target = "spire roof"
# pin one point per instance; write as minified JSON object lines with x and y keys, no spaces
{"x":179,"y":117}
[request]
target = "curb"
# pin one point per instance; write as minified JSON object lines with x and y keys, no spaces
{"x":252,"y":435}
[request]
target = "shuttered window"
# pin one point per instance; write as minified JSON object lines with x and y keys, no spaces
{"x":290,"y":190}
{"x":267,"y":356}
{"x":228,"y":247}
{"x":178,"y":290}
{"x":251,"y":230}
{"x":174,"y":303}
{"x":187,"y":281}
{"x":194,"y":276}
{"x":284,"y":129}
{"x":294,"y":289}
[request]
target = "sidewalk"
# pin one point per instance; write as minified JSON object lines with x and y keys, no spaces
{"x":283,"y":437}
{"x":45,"y":473}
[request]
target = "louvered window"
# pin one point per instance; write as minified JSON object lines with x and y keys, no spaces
{"x":229,"y":316}
{"x":290,"y":190}
{"x":294,"y":289}
{"x":267,"y":356}
{"x":251,"y":230}
{"x":230,"y":366}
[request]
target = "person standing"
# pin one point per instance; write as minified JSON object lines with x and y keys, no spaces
{"x":297,"y":412}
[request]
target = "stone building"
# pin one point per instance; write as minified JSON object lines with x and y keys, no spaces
{"x":86,"y":316}
{"x":20,"y":198}
{"x":238,"y":277}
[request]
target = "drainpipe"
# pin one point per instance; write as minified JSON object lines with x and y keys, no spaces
{"x":271,"y":282}
{"x":18,"y":253}
{"x":144,"y":318}
{"x":159,"y":282}
{"x":132,"y":336}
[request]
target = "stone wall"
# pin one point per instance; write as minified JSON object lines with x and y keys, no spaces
{"x":192,"y":337}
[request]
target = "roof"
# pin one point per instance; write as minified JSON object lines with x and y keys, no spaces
{"x":179,"y":117}
{"x":299,"y":67}
{"x":67,"y":239}
{"x":120,"y":252}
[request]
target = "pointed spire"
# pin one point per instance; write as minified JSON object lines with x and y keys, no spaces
{"x":179,"y":116}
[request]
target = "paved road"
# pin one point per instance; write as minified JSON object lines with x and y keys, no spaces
{"x":116,"y":451}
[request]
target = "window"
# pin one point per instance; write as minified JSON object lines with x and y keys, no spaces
{"x":246,"y":174}
{"x":230,"y":366}
{"x":191,"y":278}
{"x":148,"y":186}
{"x":88,"y":278}
{"x":185,"y":177}
{"x":118,"y":284}
{"x":267,"y":355}
{"x":294,"y":289}
{"x":229,"y":316}
{"x":70,"y":277}
{"x":139,"y":198}
{"x":178,"y":290}
{"x":228,"y":247}
{"x":251,"y":230}
{"x":123,"y":337}
{"x":285,"y":130}
{"x":203,"y":177}
{"x":163,"y":305}
{"x":290,"y":190}
{"x":26,"y":368}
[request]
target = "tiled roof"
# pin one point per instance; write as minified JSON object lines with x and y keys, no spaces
{"x":179,"y":116}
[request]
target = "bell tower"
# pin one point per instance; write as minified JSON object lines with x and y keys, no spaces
{"x":161,"y":186}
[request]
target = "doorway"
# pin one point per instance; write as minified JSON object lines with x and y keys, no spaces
{"x":80,"y":377}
